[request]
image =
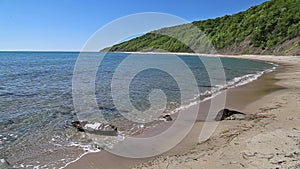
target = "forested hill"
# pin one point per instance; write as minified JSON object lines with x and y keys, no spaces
{"x":270,"y":28}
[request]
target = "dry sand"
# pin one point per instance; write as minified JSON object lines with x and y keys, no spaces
{"x":272,"y":141}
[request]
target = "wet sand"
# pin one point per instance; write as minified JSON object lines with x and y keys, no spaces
{"x":249,"y":98}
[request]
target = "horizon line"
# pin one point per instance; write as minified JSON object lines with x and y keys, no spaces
{"x":45,"y":51}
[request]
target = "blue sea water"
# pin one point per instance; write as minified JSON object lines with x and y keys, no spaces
{"x":36,"y":103}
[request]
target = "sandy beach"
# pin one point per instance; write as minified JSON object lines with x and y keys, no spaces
{"x":147,"y":85}
{"x":270,"y":141}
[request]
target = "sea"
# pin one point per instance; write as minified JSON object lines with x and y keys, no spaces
{"x":37,"y":104}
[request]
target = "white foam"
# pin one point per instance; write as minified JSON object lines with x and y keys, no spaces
{"x":87,"y":148}
{"x":236,"y":82}
{"x":94,"y":126}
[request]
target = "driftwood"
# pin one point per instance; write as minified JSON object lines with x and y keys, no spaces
{"x":99,"y":129}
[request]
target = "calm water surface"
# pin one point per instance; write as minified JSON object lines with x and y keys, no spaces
{"x":36,"y":100}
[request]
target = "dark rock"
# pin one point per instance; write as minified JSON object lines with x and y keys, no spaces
{"x":78,"y":126}
{"x":115,"y":128}
{"x":167,"y":117}
{"x":226,"y":113}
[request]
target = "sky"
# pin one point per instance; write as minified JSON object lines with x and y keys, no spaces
{"x":66,"y":25}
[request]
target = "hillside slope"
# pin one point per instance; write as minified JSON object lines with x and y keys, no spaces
{"x":270,"y":28}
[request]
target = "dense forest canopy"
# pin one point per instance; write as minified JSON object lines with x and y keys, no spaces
{"x":270,"y":28}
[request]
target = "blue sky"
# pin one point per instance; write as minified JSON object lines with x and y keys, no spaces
{"x":65,"y":25}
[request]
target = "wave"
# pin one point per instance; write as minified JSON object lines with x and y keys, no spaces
{"x":235,"y":82}
{"x":4,"y":93}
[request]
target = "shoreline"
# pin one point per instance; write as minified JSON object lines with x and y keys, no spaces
{"x":104,"y":159}
{"x":270,"y":142}
{"x":247,"y":56}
